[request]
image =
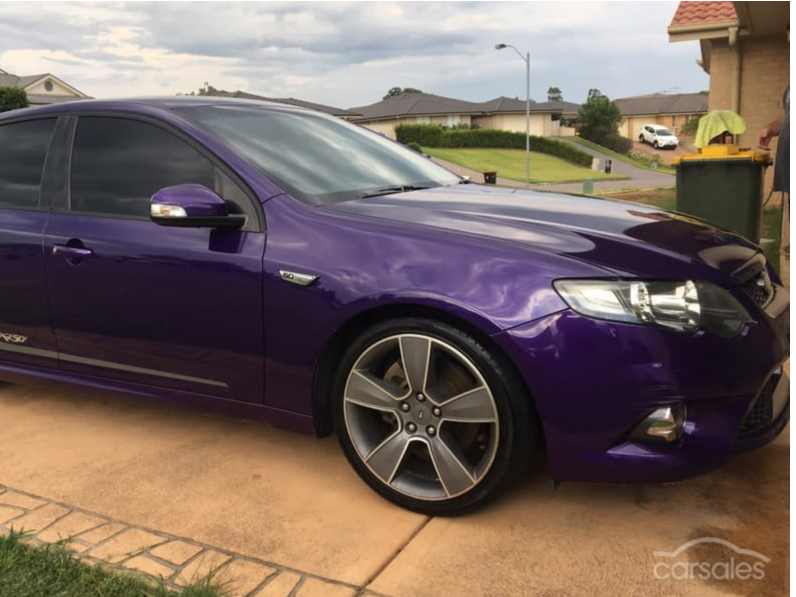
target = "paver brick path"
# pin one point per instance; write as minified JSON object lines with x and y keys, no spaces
{"x":178,"y":561}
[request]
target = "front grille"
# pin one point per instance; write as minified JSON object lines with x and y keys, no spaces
{"x":762,"y":412}
{"x":759,"y":288}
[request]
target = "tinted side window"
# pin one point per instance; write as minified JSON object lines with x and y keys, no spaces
{"x":118,"y":164}
{"x":23,"y":147}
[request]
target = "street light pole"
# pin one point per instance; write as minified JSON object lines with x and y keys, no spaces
{"x":527,"y":59}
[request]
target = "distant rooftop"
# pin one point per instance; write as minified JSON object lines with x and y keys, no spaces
{"x":340,"y":112}
{"x":8,"y":79}
{"x":415,"y":104}
{"x":428,"y":104}
{"x":661,"y":103}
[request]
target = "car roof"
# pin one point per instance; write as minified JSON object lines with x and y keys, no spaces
{"x":140,"y":103}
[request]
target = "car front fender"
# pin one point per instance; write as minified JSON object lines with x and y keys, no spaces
{"x":359,"y":264}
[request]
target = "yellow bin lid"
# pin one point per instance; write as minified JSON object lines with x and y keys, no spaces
{"x":729,"y":151}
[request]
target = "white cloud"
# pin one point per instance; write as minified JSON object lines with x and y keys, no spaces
{"x":349,"y":53}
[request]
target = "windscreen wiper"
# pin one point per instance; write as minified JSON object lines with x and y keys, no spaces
{"x":392,"y":190}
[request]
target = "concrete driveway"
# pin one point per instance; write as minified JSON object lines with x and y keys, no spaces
{"x":167,"y":491}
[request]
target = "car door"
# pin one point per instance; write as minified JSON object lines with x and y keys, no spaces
{"x":132,"y":301}
{"x":26,"y":336}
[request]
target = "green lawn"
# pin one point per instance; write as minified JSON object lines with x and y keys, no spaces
{"x":51,"y":571}
{"x":510,"y":163}
{"x":666,"y":199}
{"x":622,"y":158}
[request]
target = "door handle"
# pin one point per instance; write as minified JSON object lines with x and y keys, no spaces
{"x":71,"y":252}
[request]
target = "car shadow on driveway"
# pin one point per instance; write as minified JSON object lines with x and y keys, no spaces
{"x":293,"y":500}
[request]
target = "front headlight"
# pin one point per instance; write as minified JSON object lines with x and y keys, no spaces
{"x":682,"y":306}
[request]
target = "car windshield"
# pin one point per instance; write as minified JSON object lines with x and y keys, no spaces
{"x":319,"y":159}
{"x":664,"y":133}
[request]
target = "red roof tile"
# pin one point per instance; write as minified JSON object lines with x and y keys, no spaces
{"x":696,"y":13}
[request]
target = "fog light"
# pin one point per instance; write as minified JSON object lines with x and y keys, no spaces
{"x":664,"y":424}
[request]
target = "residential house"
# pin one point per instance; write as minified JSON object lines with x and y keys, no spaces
{"x":42,"y":89}
{"x":339,"y":112}
{"x":500,"y":113}
{"x":508,"y":114}
{"x":415,"y":108}
{"x":745,"y":50}
{"x":670,"y":110}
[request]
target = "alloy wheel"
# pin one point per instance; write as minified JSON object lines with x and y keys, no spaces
{"x":421,"y":417}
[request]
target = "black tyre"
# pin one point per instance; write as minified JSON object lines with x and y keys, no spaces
{"x":655,"y":144}
{"x":430,"y":418}
{"x":641,"y":139}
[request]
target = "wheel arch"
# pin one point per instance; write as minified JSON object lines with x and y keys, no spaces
{"x":322,"y":387}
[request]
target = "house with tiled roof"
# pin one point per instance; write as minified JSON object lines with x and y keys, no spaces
{"x":42,"y":89}
{"x":672,"y":110}
{"x":745,"y":49}
{"x":503,"y":113}
{"x":704,"y":15}
{"x":508,"y":114}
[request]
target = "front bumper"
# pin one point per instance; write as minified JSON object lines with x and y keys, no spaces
{"x":594,"y":381}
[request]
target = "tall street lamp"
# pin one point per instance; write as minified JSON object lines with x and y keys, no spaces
{"x":527,"y":59}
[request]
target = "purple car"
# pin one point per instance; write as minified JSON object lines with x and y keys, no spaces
{"x":275,"y":263}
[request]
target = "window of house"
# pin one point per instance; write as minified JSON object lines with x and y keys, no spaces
{"x":454,"y":119}
{"x":23,"y":148}
{"x":424,"y":120}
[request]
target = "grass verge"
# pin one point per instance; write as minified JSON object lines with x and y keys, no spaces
{"x":510,"y":163}
{"x":51,"y":571}
{"x":622,"y":158}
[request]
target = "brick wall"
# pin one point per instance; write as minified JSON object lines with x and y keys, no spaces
{"x":765,"y":72}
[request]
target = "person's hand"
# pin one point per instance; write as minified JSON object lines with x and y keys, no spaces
{"x":764,"y":138}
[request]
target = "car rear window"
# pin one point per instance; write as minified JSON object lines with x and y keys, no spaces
{"x":23,"y":149}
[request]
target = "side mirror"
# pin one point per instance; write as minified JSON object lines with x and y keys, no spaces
{"x":192,"y":206}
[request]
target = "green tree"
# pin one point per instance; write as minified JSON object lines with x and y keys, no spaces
{"x":394,"y":91}
{"x":554,"y":94}
{"x":12,"y":98}
{"x":600,"y":119}
{"x":599,"y":111}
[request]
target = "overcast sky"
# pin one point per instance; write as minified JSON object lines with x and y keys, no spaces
{"x":349,"y":53}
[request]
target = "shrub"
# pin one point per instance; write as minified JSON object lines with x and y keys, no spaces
{"x":415,"y":146}
{"x":430,"y":135}
{"x":645,"y":158}
{"x":607,"y":137}
{"x":12,"y":98}
{"x":691,"y":126}
{"x":463,"y":126}
{"x":617,"y":143}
